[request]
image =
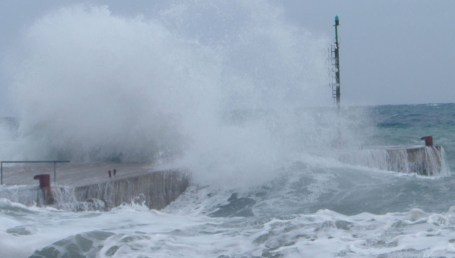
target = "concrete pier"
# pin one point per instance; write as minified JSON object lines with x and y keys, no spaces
{"x":92,"y":186}
{"x":427,"y":161}
{"x":156,"y":189}
{"x":420,"y":160}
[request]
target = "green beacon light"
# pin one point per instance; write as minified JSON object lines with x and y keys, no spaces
{"x":337,"y":21}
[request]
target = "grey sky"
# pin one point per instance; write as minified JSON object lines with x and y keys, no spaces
{"x":392,"y":52}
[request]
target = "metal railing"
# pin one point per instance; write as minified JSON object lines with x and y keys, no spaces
{"x":31,"y":161}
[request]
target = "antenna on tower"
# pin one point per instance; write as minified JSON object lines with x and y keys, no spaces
{"x":335,"y":53}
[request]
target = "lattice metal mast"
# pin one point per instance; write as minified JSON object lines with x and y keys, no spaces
{"x":336,"y":52}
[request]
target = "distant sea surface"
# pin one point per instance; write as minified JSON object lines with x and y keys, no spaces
{"x":406,"y":124}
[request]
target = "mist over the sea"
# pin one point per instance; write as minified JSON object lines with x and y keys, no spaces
{"x":236,"y":96}
{"x":222,"y":88}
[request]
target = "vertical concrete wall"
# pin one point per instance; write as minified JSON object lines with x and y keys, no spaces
{"x":156,"y":189}
{"x":421,"y":160}
{"x":428,"y":161}
{"x":25,"y":194}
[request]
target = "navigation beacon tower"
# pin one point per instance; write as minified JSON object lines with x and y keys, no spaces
{"x":336,"y":93}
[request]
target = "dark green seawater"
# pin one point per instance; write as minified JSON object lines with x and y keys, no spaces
{"x":406,"y":124}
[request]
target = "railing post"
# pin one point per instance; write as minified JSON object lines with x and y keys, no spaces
{"x":33,"y":161}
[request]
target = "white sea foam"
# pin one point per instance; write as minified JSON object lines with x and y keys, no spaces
{"x":228,"y":101}
{"x":131,"y":231}
{"x":221,"y":88}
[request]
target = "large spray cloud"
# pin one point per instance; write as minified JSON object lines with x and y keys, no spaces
{"x":214,"y":84}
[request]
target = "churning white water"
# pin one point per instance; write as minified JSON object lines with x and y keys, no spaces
{"x":232,"y":91}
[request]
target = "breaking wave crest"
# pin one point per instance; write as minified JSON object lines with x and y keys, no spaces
{"x":225,"y":93}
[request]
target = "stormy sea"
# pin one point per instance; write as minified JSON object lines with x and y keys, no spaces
{"x":243,"y":106}
{"x":312,"y":206}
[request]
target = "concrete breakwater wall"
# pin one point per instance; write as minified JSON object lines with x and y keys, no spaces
{"x":427,"y":161}
{"x":421,"y":160}
{"x":86,"y":189}
{"x":156,"y":189}
{"x":24,"y":194}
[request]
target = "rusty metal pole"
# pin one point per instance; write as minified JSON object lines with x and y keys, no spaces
{"x":45,"y":186}
{"x":428,"y":140}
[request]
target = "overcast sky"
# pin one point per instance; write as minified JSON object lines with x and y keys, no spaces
{"x":392,"y":51}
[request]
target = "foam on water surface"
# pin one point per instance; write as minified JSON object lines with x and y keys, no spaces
{"x":233,"y":103}
{"x":135,"y":231}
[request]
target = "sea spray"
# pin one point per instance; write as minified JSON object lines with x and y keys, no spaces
{"x":192,"y":97}
{"x":91,"y":85}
